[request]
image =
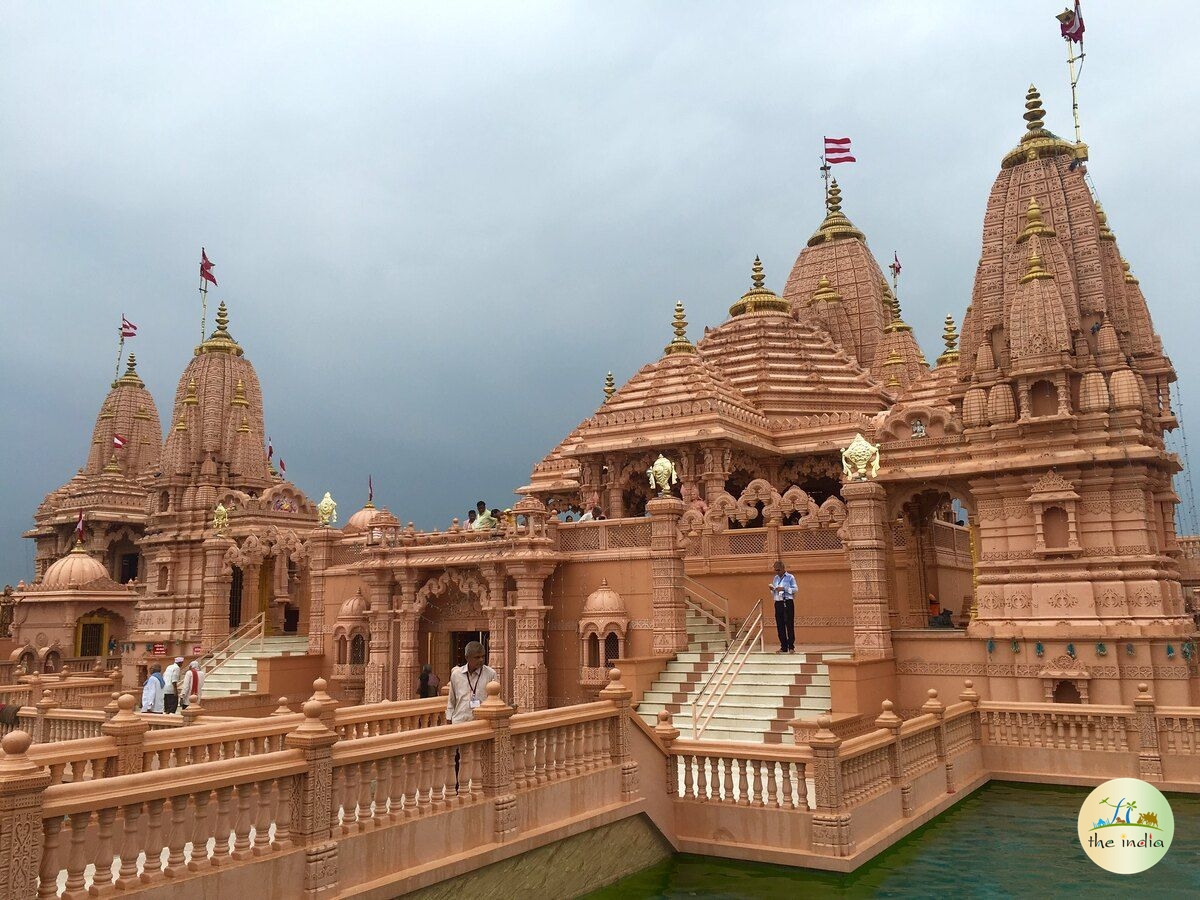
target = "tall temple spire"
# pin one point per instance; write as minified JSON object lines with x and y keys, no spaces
{"x":679,"y":343}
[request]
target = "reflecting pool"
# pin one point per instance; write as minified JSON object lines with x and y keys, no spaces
{"x":1005,"y":840}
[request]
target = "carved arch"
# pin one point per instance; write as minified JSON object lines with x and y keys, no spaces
{"x":468,"y":582}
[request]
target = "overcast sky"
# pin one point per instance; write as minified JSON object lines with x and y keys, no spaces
{"x":437,"y":225}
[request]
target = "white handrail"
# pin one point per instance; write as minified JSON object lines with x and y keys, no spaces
{"x":713,"y":691}
{"x":719,"y":611}
{"x":248,"y":633}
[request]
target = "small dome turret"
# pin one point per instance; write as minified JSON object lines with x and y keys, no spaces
{"x":74,"y":570}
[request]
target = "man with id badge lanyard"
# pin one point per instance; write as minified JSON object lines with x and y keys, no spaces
{"x":468,"y":689}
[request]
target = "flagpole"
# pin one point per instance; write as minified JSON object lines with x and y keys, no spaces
{"x":203,"y":306}
{"x":825,"y":167}
{"x":1071,"y":60}
{"x":120,"y":350}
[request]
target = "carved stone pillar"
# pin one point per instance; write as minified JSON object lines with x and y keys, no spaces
{"x":866,"y":546}
{"x":377,"y":674}
{"x":320,"y":553}
{"x":497,"y":624}
{"x":311,"y":809}
{"x":621,"y":697}
{"x":22,"y":782}
{"x":666,"y":572}
{"x":128,"y":730}
{"x":616,"y":501}
{"x":498,"y":782}
{"x":215,"y":622}
{"x":405,"y":628}
{"x":530,"y":688}
{"x":831,"y":832}
{"x":251,"y":589}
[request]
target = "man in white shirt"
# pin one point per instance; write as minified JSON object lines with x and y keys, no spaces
{"x":193,"y":684}
{"x":783,"y":589}
{"x":170,"y":687}
{"x":468,"y":685}
{"x":152,"y":693}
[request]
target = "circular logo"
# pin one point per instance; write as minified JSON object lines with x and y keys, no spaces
{"x":1126,"y":826}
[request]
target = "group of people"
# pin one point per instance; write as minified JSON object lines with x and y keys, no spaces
{"x":483,"y":519}
{"x":169,"y":691}
{"x":578,"y":514}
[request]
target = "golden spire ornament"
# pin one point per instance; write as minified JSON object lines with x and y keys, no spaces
{"x":610,"y":386}
{"x":1034,"y":223}
{"x":950,"y":337}
{"x":679,"y":343}
{"x":825,"y":292}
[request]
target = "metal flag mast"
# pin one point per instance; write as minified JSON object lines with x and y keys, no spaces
{"x":1071,"y":27}
{"x":825,"y":167}
{"x":203,"y":305}
{"x":120,"y":350}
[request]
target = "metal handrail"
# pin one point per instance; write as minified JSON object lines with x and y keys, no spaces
{"x":254,"y":629}
{"x":728,"y":667}
{"x":719,"y":603}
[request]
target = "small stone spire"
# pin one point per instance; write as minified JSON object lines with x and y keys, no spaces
{"x":1105,"y":232}
{"x":1034,"y":223}
{"x":221,"y":341}
{"x":1035,"y":272}
{"x":131,"y":376}
{"x":190,"y":399}
{"x":1130,"y":278}
{"x":679,"y":343}
{"x":825,"y":292}
{"x":759,"y":298}
{"x":756,"y":274}
{"x":895,"y":320}
{"x":610,"y":386}
{"x":950,"y":336}
{"x":113,"y":465}
{"x":239,"y":395}
{"x":1033,"y":110}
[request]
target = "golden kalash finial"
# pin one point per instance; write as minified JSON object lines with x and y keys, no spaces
{"x":825,"y":292}
{"x":950,"y":336}
{"x":610,"y":386}
{"x":190,"y":399}
{"x":239,"y":395}
{"x":894,"y":359}
{"x":836,"y":225}
{"x":181,"y":425}
{"x":244,"y":428}
{"x":1130,"y":278}
{"x":897,"y":322}
{"x":131,"y":376}
{"x":113,"y":466}
{"x":679,"y":343}
{"x":759,"y":298}
{"x":1036,"y":272}
{"x":1034,"y":223}
{"x":221,"y":341}
{"x":1105,"y":232}
{"x":1033,"y":110}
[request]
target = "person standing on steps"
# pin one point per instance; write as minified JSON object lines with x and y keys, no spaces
{"x":783,"y":590}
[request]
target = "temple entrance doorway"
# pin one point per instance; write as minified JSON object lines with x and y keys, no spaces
{"x":449,"y":622}
{"x":932,"y":536}
{"x":459,"y":641}
{"x":235,"y":600}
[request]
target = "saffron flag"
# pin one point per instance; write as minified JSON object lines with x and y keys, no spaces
{"x":1070,"y":23}
{"x":128,"y":329}
{"x":119,"y":441}
{"x":895,"y":265}
{"x":837,"y":150}
{"x":282,"y":467}
{"x":206,"y":267}
{"x":79,"y":528}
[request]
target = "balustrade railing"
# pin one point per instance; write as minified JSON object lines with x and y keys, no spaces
{"x":739,"y":774}
{"x":244,"y":637}
{"x":712,"y":691}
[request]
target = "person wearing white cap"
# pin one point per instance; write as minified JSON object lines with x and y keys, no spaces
{"x":170,"y":691}
{"x":193,"y":683}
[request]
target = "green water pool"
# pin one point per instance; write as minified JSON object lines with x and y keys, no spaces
{"x":1005,"y":840}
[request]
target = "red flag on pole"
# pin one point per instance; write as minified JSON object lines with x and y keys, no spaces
{"x":270,"y":449}
{"x":206,"y":266}
{"x":119,"y":441}
{"x":79,"y":528}
{"x":370,"y":490}
{"x":1070,"y":24}
{"x":837,"y":150}
{"x":128,"y":329}
{"x":895,"y":265}
{"x":282,"y":467}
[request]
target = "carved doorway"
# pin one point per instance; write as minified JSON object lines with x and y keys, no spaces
{"x":448,"y":623}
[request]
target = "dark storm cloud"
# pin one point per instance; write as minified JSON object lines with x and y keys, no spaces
{"x":439,"y":225}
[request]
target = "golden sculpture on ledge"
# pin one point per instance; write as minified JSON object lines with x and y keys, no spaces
{"x":662,"y":475}
{"x":860,"y":461}
{"x":327,"y":510}
{"x":220,"y":518}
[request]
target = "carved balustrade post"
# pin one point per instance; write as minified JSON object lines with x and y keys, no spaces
{"x":311,"y":803}
{"x":128,"y":730}
{"x":666,"y":575}
{"x":320,"y":555}
{"x":530,"y":688}
{"x":667,"y":734}
{"x":866,"y":542}
{"x":831,"y":832}
{"x":378,"y":670}
{"x":970,"y":695}
{"x":22,"y":782}
{"x":44,"y":705}
{"x":498,"y":762}
{"x":1149,"y":757}
{"x":622,"y":698}
{"x":328,"y":704}
{"x":193,"y":711}
{"x":214,"y":623}
{"x":935,"y":707}
{"x":892,"y":722}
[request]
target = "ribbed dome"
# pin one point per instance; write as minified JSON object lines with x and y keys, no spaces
{"x":74,"y":570}
{"x":361,"y":520}
{"x":354,"y":608}
{"x":218,"y":413}
{"x":603,"y":602}
{"x":128,"y":412}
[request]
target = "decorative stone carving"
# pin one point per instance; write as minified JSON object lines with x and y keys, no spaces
{"x":662,"y":475}
{"x":860,"y":460}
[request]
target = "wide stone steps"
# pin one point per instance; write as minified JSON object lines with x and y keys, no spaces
{"x":239,"y":673}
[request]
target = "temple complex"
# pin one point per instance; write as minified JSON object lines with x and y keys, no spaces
{"x":1004,"y":515}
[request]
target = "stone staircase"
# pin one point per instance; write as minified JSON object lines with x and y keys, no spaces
{"x":238,"y":674}
{"x":770,"y":690}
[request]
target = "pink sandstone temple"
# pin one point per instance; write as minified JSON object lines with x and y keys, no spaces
{"x":990,"y":585}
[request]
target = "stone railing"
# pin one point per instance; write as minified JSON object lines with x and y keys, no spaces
{"x":604,"y":535}
{"x":75,"y":692}
{"x":770,"y":540}
{"x":316,"y":816}
{"x":78,"y":665}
